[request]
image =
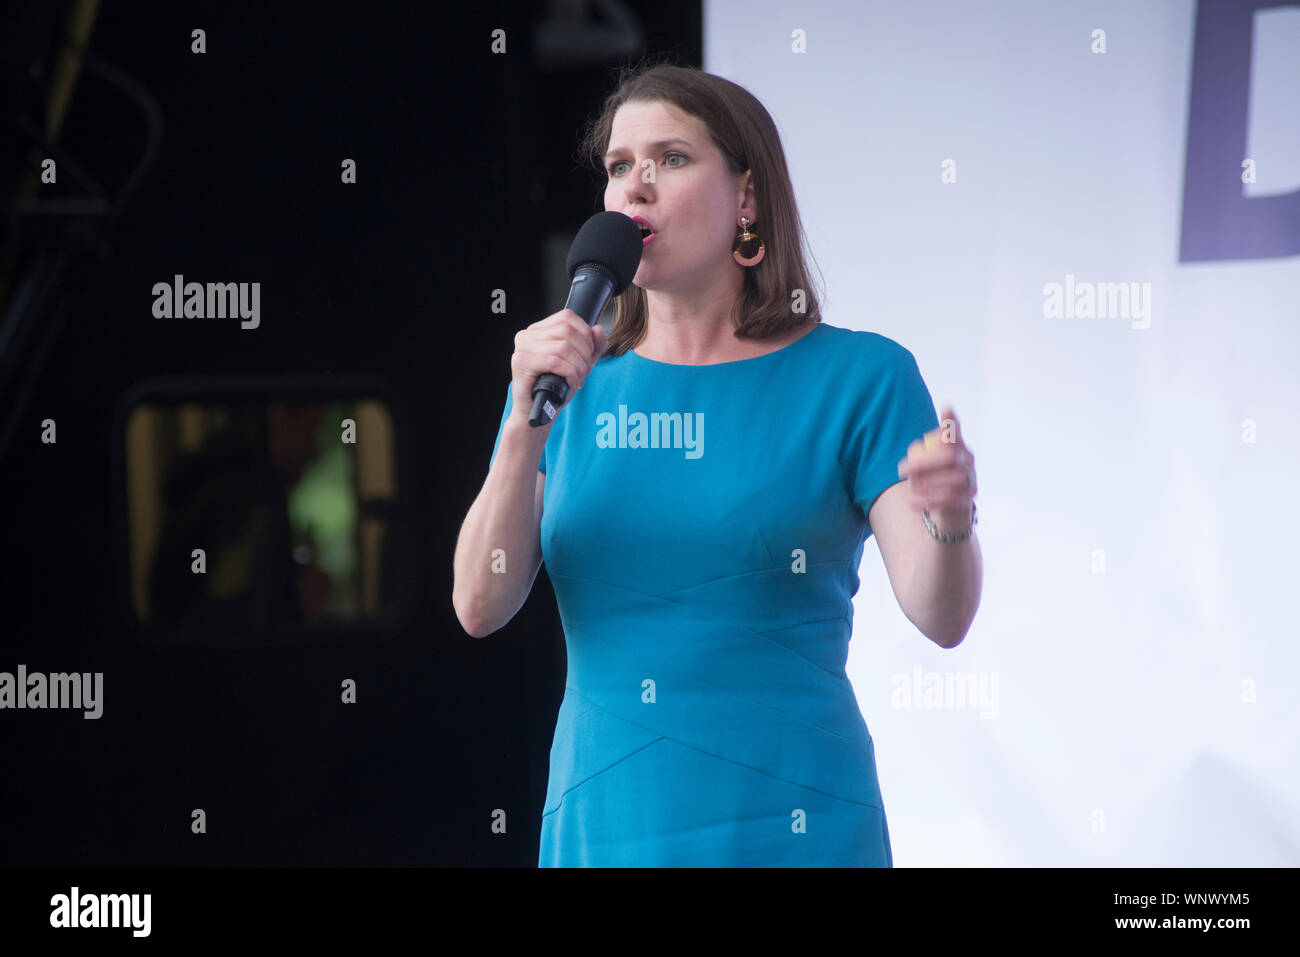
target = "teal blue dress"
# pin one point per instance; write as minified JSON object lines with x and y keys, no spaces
{"x":702,"y":528}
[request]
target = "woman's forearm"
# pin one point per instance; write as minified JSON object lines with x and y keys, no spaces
{"x":946,"y":584}
{"x":498,"y":551}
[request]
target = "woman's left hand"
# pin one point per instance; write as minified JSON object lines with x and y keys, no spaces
{"x":941,"y":475}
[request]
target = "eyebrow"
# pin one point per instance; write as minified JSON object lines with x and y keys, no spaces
{"x":657,"y":145}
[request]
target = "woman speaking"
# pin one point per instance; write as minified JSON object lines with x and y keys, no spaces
{"x":702,"y":501}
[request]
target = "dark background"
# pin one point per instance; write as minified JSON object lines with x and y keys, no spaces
{"x":465,"y":162}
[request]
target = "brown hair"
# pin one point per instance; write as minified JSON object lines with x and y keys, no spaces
{"x":740,"y":126}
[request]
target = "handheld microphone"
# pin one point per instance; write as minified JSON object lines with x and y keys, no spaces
{"x":602,"y":260}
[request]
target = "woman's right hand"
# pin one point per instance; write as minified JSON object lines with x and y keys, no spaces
{"x":561,"y":343}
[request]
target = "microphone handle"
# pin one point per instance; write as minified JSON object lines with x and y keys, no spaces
{"x":591,"y":290}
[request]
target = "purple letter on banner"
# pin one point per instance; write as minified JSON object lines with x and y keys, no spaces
{"x":1218,"y":221}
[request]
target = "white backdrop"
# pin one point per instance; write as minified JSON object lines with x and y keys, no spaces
{"x":1137,"y":638}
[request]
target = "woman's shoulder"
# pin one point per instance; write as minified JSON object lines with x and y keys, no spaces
{"x":862,"y":347}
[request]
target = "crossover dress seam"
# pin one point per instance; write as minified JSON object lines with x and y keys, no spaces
{"x":762,"y":634}
{"x":739,"y":764}
{"x":573,"y":787}
{"x":751,"y":701}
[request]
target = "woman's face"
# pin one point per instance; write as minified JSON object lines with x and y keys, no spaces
{"x":683,"y":188}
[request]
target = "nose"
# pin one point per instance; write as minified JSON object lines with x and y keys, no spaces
{"x":635,"y":192}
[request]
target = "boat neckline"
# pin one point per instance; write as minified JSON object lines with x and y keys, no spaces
{"x":732,"y":362}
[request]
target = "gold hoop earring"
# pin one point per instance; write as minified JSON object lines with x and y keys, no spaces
{"x":743,"y":249}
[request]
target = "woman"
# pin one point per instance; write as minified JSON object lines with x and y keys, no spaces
{"x":712,"y":481}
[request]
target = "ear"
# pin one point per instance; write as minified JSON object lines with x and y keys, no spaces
{"x":748,"y":201}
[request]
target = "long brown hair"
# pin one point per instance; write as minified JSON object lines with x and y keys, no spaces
{"x":743,"y":130}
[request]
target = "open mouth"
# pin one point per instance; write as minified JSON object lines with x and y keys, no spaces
{"x":645,"y":230}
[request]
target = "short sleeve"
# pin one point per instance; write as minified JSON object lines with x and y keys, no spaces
{"x":510,"y":391}
{"x":899,"y":411}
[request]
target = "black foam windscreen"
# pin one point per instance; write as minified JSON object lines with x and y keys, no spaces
{"x":608,"y":239}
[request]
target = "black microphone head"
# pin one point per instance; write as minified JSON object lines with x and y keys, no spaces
{"x":607,"y":239}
